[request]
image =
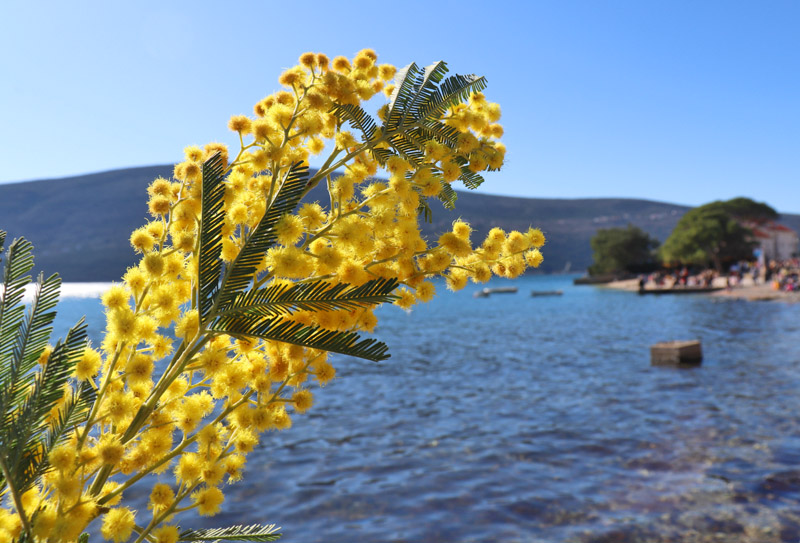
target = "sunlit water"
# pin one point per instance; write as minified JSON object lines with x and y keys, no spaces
{"x":522,"y":419}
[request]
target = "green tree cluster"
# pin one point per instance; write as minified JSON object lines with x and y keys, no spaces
{"x":716,"y":234}
{"x":622,"y":250}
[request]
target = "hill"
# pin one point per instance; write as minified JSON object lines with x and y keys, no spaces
{"x":80,"y":225}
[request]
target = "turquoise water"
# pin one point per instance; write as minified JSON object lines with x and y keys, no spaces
{"x":512,"y":418}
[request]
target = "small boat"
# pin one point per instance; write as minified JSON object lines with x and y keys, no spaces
{"x":601,"y":279}
{"x":680,"y":290}
{"x":547,"y":292}
{"x":497,"y":290}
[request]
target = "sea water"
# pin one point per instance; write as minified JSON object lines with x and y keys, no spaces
{"x":518,"y":418}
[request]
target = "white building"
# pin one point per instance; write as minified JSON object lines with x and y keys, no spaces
{"x":776,"y":241}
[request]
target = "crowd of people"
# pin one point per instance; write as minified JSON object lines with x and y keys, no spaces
{"x":679,"y":277}
{"x":781,"y":275}
{"x":784,"y":275}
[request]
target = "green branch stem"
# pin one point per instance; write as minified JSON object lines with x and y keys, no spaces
{"x":177,"y":450}
{"x":17,"y":498}
{"x":161,"y":517}
{"x":107,"y":379}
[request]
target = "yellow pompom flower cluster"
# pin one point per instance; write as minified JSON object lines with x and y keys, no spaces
{"x":181,"y":401}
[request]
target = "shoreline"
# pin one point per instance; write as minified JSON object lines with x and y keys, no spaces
{"x":73,"y":289}
{"x":746,"y":290}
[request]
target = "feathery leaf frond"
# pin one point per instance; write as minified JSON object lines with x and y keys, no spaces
{"x":357,"y":117}
{"x":381,"y":155}
{"x":283,"y":299}
{"x":314,"y":337}
{"x":453,"y":90}
{"x":28,"y":397}
{"x":25,"y":439}
{"x":240,"y":272}
{"x":415,"y":87}
{"x":408,"y":149}
{"x":425,"y":210}
{"x":448,"y":196}
{"x":256,"y":532}
{"x":419,"y":99}
{"x":470,"y":179}
{"x":422,"y":96}
{"x":211,"y":221}
{"x":32,"y":336}
{"x":426,"y":87}
{"x":403,"y":93}
{"x":19,"y":262}
{"x":72,"y":413}
{"x":439,"y":131}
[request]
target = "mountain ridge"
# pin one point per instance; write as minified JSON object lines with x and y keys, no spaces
{"x":92,"y":216}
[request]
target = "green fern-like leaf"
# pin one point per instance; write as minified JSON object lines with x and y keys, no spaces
{"x":425,"y":95}
{"x":211,"y":221}
{"x":381,"y":155}
{"x":27,"y":396}
{"x":448,"y":196}
{"x":405,"y":82}
{"x":256,"y":532}
{"x":284,"y":299}
{"x":425,"y":210}
{"x":408,"y":148}
{"x":470,"y":179}
{"x":453,"y":90}
{"x":426,"y":87}
{"x":314,"y":337}
{"x":358,"y":118}
{"x":240,"y":272}
{"x":432,"y":129}
{"x":32,"y":335}
{"x":28,"y":438}
{"x":72,"y":413}
{"x":419,"y":100}
{"x":19,"y":262}
{"x":414,"y":88}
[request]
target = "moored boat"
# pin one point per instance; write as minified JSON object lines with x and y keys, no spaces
{"x":497,"y":290}
{"x":546,"y":293}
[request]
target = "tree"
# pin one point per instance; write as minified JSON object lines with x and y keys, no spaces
{"x":710,"y":235}
{"x":622,"y":249}
{"x":745,"y":209}
{"x":222,"y":329}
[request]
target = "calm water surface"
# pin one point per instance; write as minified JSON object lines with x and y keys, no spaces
{"x":521,"y":419}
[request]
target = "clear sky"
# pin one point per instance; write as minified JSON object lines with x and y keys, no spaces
{"x":680,"y":101}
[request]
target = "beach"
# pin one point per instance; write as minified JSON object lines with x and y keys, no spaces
{"x":745,"y":290}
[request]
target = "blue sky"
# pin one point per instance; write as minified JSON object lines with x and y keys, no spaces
{"x":680,"y":101}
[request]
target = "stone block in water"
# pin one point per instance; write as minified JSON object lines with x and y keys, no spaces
{"x":676,"y":353}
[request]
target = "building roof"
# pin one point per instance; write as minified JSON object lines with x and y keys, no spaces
{"x":782,"y":228}
{"x":768,"y":229}
{"x":757,"y":232}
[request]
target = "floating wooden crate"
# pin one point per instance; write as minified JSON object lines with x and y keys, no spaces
{"x":676,"y":353}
